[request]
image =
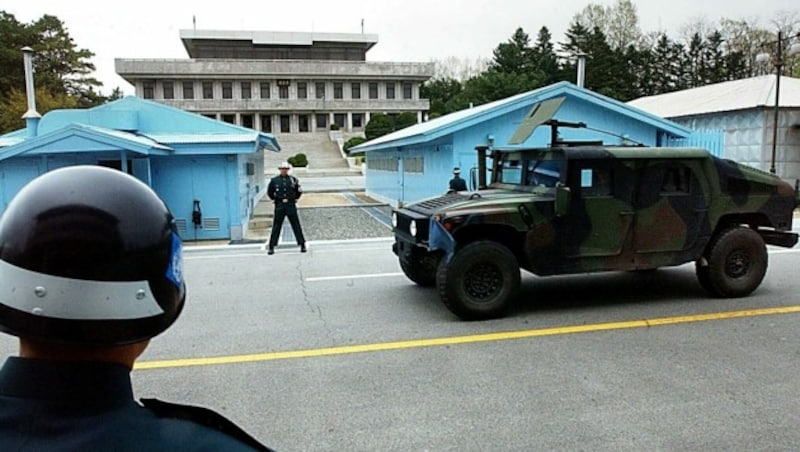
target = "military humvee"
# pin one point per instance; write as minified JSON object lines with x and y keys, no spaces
{"x":578,"y":208}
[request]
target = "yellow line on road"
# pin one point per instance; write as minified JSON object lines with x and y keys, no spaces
{"x":454,"y":340}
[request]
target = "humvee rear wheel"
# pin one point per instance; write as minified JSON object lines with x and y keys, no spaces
{"x":737,"y":263}
{"x":479,"y":281}
{"x":422,"y":269}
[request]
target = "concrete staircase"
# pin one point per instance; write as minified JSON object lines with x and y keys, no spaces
{"x":324,"y":160}
{"x":323,"y":154}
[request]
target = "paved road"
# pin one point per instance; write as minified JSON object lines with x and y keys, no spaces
{"x":377,"y":363}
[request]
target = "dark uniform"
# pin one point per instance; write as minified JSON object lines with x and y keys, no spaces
{"x":56,"y":405}
{"x":284,"y":191}
{"x":458,"y":184}
{"x":87,"y":277}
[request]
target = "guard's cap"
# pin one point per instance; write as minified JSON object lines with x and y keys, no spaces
{"x":456,"y":170}
{"x":284,"y":165}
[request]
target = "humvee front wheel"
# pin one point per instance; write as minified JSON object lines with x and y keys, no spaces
{"x":737,"y":263}
{"x":421,"y":269}
{"x":479,"y":281}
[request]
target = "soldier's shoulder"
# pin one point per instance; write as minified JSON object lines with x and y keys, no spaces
{"x":205,"y":419}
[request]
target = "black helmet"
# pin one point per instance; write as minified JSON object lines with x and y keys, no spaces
{"x":89,"y":255}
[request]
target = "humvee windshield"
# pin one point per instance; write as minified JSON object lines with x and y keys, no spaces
{"x":537,"y":173}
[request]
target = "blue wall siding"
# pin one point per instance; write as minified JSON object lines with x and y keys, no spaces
{"x":15,"y":173}
{"x":384,"y":185}
{"x":179,"y":180}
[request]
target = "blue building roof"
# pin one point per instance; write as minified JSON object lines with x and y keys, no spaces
{"x":83,"y":138}
{"x":453,"y":122}
{"x":142,"y":125}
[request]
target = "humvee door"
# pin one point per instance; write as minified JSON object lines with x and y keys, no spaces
{"x":598,"y":226}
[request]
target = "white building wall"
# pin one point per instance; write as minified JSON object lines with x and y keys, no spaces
{"x":748,"y":137}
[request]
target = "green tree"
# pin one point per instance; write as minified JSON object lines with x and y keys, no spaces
{"x":694,"y":62}
{"x":60,"y":65}
{"x":491,"y":86}
{"x":379,"y":124}
{"x":443,"y":94}
{"x":513,"y":56}
{"x":714,"y":67}
{"x":62,"y":69}
{"x":13,"y":106}
{"x":544,"y":57}
{"x":405,"y":119}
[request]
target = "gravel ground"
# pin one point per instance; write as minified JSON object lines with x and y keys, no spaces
{"x":341,"y":223}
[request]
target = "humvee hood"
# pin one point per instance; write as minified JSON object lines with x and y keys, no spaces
{"x":485,"y":199}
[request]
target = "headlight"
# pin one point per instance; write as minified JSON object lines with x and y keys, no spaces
{"x":412,"y":228}
{"x":394,"y":219}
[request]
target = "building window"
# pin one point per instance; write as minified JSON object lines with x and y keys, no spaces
{"x":230,"y":119}
{"x":322,"y":121}
{"x":264,"y":90}
{"x":188,"y":90}
{"x":302,"y":123}
{"x":373,"y":90}
{"x":169,"y":90}
{"x":247,"y":121}
{"x":414,"y":165}
{"x":210,"y":116}
{"x":390,"y":90}
{"x":337,"y":91}
{"x":302,"y":90}
{"x":358,"y":120}
{"x":148,"y":90}
{"x":407,"y":90}
{"x":208,"y":90}
{"x":339,"y":119}
{"x":266,"y":123}
{"x":283,"y":88}
{"x":320,"y":90}
{"x":355,"y":91}
{"x":227,"y":90}
{"x":247,"y":90}
{"x":382,"y":164}
{"x":285,"y":124}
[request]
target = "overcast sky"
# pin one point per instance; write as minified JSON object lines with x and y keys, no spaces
{"x":408,"y":30}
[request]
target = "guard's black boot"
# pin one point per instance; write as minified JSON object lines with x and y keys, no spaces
{"x":303,"y":248}
{"x":271,"y":251}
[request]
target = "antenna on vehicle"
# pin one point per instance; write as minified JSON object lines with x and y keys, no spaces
{"x":622,"y":137}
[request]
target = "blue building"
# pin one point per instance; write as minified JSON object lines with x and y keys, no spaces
{"x":416,"y":163}
{"x":195,"y":164}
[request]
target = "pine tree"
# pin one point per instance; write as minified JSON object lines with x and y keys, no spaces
{"x":513,"y":56}
{"x":543,"y":56}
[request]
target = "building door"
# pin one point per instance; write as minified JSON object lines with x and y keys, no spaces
{"x":302,"y":123}
{"x":266,"y":123}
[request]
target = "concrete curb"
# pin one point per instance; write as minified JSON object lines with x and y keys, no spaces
{"x":263,"y":246}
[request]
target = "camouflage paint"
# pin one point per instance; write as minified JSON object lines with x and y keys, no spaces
{"x":640,"y":224}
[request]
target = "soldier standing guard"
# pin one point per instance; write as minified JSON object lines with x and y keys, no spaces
{"x":457,"y":183}
{"x":284,"y":190}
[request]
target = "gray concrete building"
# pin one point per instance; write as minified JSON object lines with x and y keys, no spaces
{"x":281,"y":82}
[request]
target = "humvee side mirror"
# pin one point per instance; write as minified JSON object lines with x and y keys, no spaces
{"x":563,"y":197}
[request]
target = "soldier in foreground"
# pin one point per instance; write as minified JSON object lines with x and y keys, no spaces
{"x":284,"y":190}
{"x":87,"y":276}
